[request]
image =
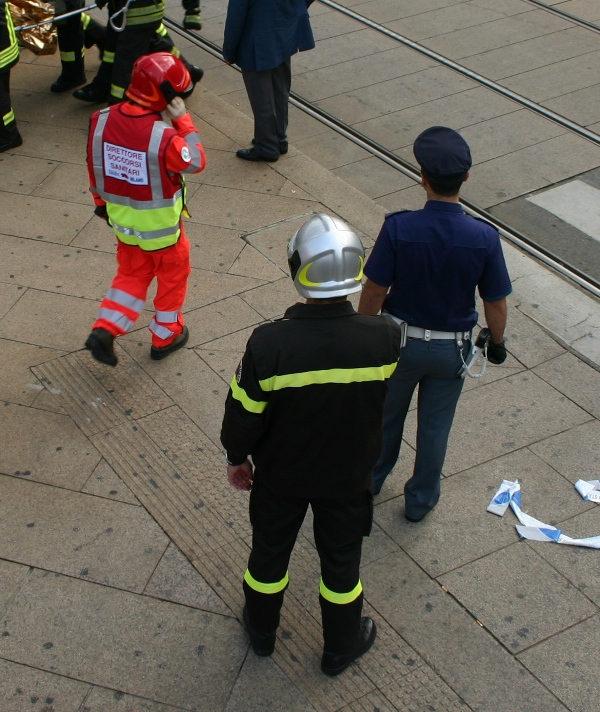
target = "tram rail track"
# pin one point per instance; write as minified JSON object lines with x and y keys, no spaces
{"x":516,"y":237}
{"x":500,"y":89}
{"x":589,"y":24}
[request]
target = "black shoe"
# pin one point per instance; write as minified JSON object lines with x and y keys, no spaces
{"x":196,"y":73}
{"x":100,"y":343}
{"x":10,"y":139}
{"x":92,"y":92}
{"x":192,"y":20}
{"x":66,"y":83}
{"x":416,"y":517}
{"x":283,"y":147}
{"x":263,"y":644}
{"x":333,"y":664}
{"x":178,"y":343}
{"x":251,"y":154}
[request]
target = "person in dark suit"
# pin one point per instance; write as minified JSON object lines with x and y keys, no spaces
{"x":260,"y":37}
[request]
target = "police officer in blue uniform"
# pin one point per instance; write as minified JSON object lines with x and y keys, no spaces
{"x":423,"y":270}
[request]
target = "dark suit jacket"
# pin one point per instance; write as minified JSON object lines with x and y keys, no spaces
{"x":261,"y":34}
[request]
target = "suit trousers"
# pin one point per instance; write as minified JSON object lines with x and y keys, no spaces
{"x":268,"y":92}
{"x":339,"y":527}
{"x":433,"y":366}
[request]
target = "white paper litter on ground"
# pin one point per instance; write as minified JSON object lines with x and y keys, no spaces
{"x":589,"y":490}
{"x":509,"y":493}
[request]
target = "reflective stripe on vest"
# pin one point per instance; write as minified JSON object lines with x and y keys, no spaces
{"x":150,"y":224}
{"x":9,"y":54}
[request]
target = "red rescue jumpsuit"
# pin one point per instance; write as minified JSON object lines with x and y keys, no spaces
{"x":182,"y":152}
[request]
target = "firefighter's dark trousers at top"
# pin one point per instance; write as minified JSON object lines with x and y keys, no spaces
{"x":339,"y":527}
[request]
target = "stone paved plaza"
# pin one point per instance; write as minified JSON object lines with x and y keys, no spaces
{"x":122,"y":546}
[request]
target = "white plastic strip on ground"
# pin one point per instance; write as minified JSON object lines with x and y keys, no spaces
{"x":590,"y":491}
{"x":509,"y":494}
{"x":576,"y":202}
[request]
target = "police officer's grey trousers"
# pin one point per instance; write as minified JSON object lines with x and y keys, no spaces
{"x":433,"y":366}
{"x":268,"y":92}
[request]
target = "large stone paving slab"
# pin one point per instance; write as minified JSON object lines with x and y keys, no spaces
{"x":44,"y":447}
{"x":104,"y":482}
{"x":574,"y":453}
{"x":477,"y":668}
{"x":574,"y":378}
{"x":175,"y":579}
{"x":24,"y":688}
{"x":22,"y":174}
{"x":9,"y":295}
{"x":102,"y":700}
{"x":48,"y":219}
{"x":167,"y":653}
{"x":511,"y":592}
{"x":13,"y":577}
{"x":528,"y":342}
{"x":78,"y":534}
{"x":566,"y":664}
{"x":18,"y":384}
{"x":460,"y":530}
{"x":505,"y":415}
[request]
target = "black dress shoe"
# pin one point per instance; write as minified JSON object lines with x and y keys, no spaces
{"x":94,"y":93}
{"x":263,"y":644}
{"x":416,"y":517}
{"x":66,"y":83}
{"x":100,"y":343}
{"x":10,"y":139}
{"x":283,"y":147}
{"x":196,"y":73}
{"x":333,"y":664}
{"x":178,"y":342}
{"x":251,"y":154}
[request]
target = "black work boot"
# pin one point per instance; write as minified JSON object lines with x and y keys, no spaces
{"x":9,"y":137}
{"x":67,"y":81}
{"x":334,"y":663}
{"x":263,"y":644}
{"x":94,"y":93}
{"x":100,"y":343}
{"x":156,"y":353}
{"x":192,"y":20}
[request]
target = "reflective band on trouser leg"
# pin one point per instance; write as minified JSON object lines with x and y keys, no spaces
{"x":161,"y":331}
{"x":108,"y":57}
{"x":167,"y":317}
{"x":242,"y":397}
{"x":8,"y":118}
{"x":340,"y":598}
{"x":117,"y":91}
{"x":116,"y":318}
{"x":125,"y":299}
{"x":67,"y":56}
{"x":267,"y":588}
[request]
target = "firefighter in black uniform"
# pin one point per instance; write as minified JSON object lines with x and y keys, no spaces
{"x":144,"y":33}
{"x":9,"y":55}
{"x":74,"y":34}
{"x":306,"y":405}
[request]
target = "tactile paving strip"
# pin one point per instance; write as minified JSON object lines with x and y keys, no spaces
{"x":177,"y":473}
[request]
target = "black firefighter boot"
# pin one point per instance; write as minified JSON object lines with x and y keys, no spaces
{"x":9,"y":136}
{"x":100,"y":343}
{"x":334,"y":663}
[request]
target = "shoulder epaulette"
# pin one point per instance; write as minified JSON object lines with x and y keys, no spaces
{"x":396,"y":212}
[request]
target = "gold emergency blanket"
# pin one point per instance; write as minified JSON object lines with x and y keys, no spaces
{"x":40,"y":40}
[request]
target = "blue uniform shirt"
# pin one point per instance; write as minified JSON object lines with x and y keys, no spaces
{"x":433,"y":259}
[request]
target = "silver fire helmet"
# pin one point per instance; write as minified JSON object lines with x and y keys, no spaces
{"x":326,"y":258}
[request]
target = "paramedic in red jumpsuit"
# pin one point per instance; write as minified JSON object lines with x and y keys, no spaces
{"x":136,"y":157}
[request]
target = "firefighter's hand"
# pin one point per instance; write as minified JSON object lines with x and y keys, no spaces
{"x":176,"y":108}
{"x":240,"y":476}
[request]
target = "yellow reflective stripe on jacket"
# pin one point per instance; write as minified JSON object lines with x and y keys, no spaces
{"x":330,"y":375}
{"x":9,"y":54}
{"x":266,"y":587}
{"x":85,"y":20}
{"x":240,"y":395}
{"x":340,"y":598}
{"x":145,"y":15}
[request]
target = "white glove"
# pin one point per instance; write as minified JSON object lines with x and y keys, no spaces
{"x":176,"y":109}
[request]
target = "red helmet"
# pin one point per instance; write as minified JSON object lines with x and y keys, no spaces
{"x":157,"y":78}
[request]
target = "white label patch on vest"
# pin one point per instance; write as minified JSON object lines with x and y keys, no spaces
{"x":185,"y":154}
{"x":125,"y":164}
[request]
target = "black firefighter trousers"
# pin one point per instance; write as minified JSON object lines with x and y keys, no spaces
{"x":339,"y":527}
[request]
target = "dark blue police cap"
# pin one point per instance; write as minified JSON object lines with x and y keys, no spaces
{"x":441,"y":151}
